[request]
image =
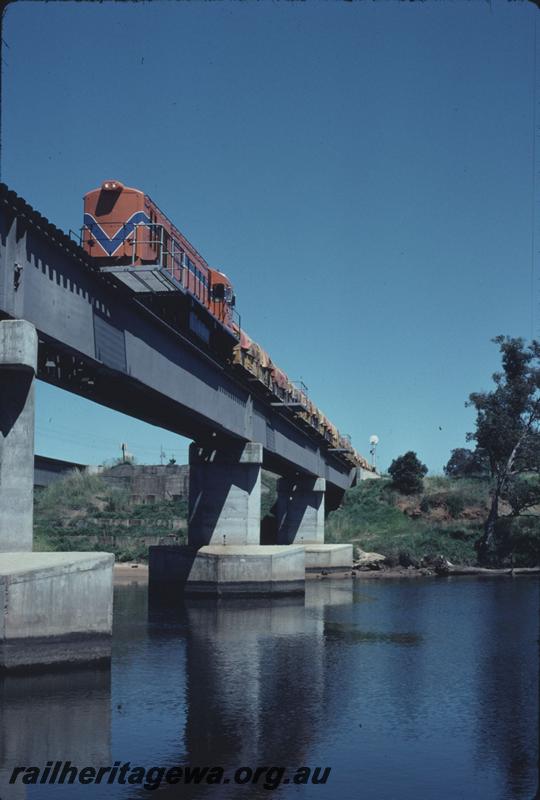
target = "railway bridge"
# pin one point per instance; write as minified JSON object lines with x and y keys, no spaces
{"x":101,"y":338}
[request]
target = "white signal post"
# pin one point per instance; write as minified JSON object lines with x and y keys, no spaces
{"x":373,"y":442}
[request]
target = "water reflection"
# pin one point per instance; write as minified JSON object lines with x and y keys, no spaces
{"x":506,"y":689}
{"x":57,"y":715}
{"x":406,"y":689}
{"x":347,"y":633}
{"x":256,"y":679}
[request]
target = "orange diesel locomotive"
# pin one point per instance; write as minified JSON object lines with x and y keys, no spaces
{"x":125,"y":230}
{"x":123,"y":227}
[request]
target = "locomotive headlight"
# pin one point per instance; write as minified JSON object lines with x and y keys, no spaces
{"x":113,"y":186}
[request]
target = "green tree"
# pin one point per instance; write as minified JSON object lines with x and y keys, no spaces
{"x":507,"y":430}
{"x":465,"y":463}
{"x":407,"y":472}
{"x":522,"y":493}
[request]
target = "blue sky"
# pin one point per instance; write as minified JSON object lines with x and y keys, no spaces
{"x":362,"y":171}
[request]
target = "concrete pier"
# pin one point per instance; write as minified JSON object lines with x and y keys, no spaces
{"x":224,"y":555}
{"x":300,"y":511}
{"x":54,"y":607}
{"x":18,"y":360}
{"x":328,"y":557}
{"x":227,"y":570}
{"x":225,"y":495}
{"x":300,"y":519}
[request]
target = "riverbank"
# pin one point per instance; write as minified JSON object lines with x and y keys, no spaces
{"x":128,"y":572}
{"x":131,"y":572}
{"x":445,"y":520}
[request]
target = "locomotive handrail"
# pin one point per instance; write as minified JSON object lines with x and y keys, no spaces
{"x":236,"y":321}
{"x":165,"y":258}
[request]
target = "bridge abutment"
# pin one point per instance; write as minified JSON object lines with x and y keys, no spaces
{"x":54,"y":607}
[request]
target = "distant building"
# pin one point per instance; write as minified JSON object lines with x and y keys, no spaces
{"x":147,"y":483}
{"x":144,"y":483}
{"x":48,"y":470}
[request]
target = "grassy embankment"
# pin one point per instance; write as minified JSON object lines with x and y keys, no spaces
{"x":445,"y":519}
{"x":82,"y":512}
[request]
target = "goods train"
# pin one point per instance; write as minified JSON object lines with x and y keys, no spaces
{"x":125,"y":232}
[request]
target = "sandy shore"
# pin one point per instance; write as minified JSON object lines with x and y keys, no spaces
{"x":130,"y":572}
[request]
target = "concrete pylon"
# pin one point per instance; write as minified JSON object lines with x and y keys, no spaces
{"x":300,"y":519}
{"x":224,"y":555}
{"x":18,"y":364}
{"x":300,"y":511}
{"x":55,"y":607}
{"x":225,"y":495}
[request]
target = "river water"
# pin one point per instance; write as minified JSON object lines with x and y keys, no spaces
{"x":406,"y":689}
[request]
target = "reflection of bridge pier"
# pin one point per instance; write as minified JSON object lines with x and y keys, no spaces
{"x":236,"y":691}
{"x":53,"y":716}
{"x":250,"y":666}
{"x":54,"y":606}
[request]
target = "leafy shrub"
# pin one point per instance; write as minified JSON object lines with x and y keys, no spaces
{"x":453,"y":501}
{"x":138,"y":552}
{"x":407,"y":473}
{"x":425,"y":504}
{"x":518,"y":540}
{"x":455,"y":505}
{"x":405,"y":559}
